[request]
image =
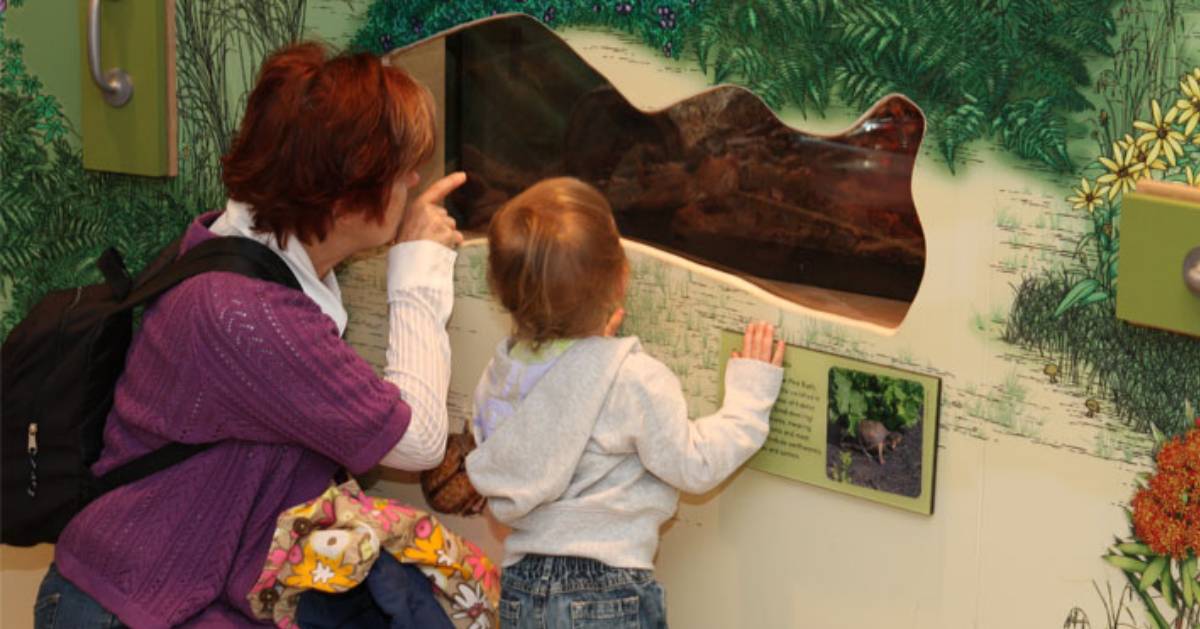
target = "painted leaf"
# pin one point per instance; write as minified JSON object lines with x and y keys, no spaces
{"x":1077,"y":293}
{"x":1167,"y":585}
{"x":1152,"y":573}
{"x":1134,"y":548}
{"x":1187,"y":573}
{"x":1127,"y":564}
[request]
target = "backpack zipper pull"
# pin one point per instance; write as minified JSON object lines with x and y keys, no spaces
{"x":32,"y":447}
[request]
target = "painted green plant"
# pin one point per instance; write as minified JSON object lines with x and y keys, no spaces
{"x":1164,"y":146}
{"x":1008,"y":70}
{"x":1067,"y":314}
{"x":663,"y":24}
{"x":56,"y":217}
{"x":1150,"y":56}
{"x":1070,"y":313}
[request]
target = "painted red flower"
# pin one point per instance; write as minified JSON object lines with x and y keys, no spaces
{"x":1166,"y":513}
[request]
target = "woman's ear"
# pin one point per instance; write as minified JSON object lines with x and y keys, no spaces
{"x":623,"y":289}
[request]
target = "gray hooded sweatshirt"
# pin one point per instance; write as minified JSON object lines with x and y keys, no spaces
{"x":589,"y":459}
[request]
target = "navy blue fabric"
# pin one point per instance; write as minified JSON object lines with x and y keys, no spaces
{"x":396,"y":596}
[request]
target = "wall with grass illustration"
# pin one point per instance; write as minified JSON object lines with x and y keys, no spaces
{"x":1032,"y":77}
{"x":1080,"y":97}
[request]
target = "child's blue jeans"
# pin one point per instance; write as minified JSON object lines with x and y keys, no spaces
{"x":542,"y":592}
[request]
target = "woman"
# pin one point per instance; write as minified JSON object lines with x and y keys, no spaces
{"x":321,"y":169}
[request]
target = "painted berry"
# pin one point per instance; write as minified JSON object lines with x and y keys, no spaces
{"x":666,"y":18}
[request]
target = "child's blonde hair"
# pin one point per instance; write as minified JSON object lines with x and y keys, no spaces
{"x":555,"y":260}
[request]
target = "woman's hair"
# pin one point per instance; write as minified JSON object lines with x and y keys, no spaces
{"x":555,"y":260}
{"x":326,"y":133}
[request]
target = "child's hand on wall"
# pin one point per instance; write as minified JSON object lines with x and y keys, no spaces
{"x":757,"y":344}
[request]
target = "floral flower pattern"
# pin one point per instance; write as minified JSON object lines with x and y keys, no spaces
{"x":329,"y":544}
{"x":471,"y":603}
{"x":319,"y":572}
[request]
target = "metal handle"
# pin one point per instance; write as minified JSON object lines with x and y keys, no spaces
{"x":1191,"y":271}
{"x":116,"y":85}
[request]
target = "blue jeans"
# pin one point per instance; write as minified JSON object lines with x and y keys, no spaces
{"x":542,"y":592}
{"x":61,"y":605}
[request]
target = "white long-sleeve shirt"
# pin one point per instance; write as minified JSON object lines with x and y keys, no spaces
{"x":420,"y":297}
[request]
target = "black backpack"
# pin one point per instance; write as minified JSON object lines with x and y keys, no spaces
{"x":60,"y":365}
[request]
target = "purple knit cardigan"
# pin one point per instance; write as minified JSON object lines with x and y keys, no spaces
{"x":261,"y":369}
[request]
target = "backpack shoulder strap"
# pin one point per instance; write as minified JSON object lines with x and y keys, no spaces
{"x":233,"y":254}
{"x":149,"y":463}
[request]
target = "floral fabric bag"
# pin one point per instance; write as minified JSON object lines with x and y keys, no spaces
{"x":330,"y":543}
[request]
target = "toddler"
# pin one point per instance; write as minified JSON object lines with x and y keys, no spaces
{"x":584,"y":439}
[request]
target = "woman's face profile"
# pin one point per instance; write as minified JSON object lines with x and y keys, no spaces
{"x":397,"y":201}
{"x":369,"y":233}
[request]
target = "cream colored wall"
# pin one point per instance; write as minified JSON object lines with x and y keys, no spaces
{"x":21,"y":571}
{"x":1023,"y":509}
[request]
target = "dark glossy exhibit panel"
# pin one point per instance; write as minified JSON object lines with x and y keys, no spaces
{"x":716,"y":178}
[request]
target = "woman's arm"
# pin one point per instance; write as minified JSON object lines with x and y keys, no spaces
{"x":420,"y":297}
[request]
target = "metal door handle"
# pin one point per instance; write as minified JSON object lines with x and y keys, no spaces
{"x":1191,"y":271}
{"x":116,"y":85}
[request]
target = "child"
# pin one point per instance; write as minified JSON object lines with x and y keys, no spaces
{"x":585,"y":439}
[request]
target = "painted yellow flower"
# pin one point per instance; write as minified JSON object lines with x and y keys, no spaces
{"x":1086,"y":196}
{"x":1189,"y":105}
{"x":1140,"y":156}
{"x":1123,"y":171}
{"x":326,"y":574}
{"x":1160,"y":137}
{"x":1193,"y":179}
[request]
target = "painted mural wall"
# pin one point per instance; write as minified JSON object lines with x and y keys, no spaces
{"x":1054,"y":416}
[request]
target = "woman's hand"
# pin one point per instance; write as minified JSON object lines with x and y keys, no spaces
{"x":756,"y":344}
{"x":426,"y":219}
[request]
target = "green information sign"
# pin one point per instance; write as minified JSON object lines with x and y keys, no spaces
{"x":851,"y":426}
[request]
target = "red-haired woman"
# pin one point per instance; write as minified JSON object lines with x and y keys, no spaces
{"x":322,"y":168}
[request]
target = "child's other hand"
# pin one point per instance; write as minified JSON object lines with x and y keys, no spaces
{"x":757,"y":344}
{"x":614,"y":322}
{"x":475,"y":507}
